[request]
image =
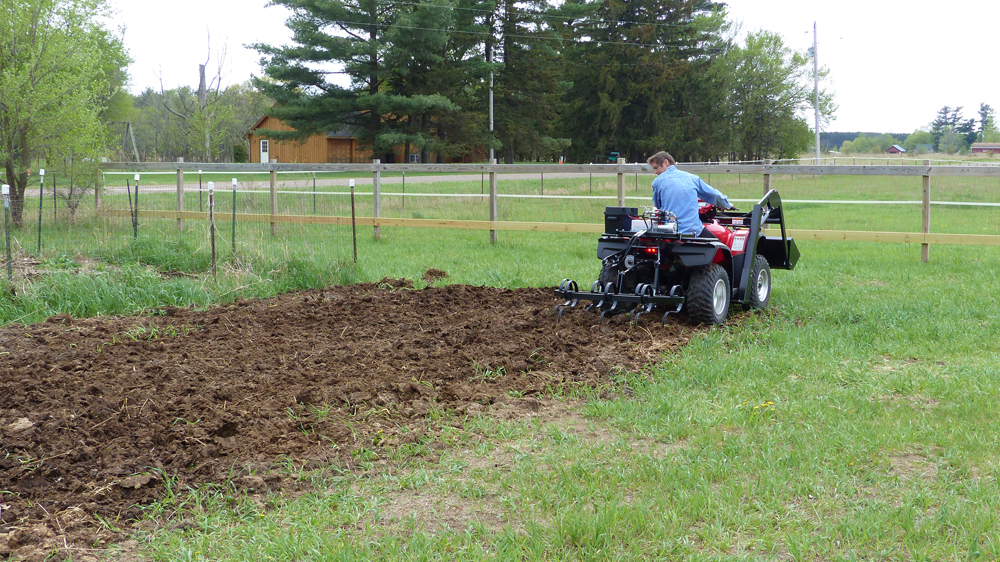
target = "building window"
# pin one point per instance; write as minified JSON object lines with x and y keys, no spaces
{"x":414,"y":158}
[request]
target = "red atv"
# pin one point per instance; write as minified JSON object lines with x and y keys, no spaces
{"x":646,"y":263}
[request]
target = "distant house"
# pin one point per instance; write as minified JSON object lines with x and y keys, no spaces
{"x":990,"y":148}
{"x":896,"y":149}
{"x":925,"y":148}
{"x":332,"y":147}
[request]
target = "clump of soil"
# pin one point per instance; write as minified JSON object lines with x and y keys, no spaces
{"x":432,"y":275}
{"x":94,"y":413}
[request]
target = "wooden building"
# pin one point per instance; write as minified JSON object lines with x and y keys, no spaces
{"x":333,"y":147}
{"x":991,"y":148}
{"x":895,"y":149}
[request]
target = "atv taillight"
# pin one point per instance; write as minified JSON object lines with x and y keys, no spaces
{"x":650,"y":251}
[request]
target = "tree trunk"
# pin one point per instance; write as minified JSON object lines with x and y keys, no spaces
{"x":203,"y":102}
{"x":17,"y":178}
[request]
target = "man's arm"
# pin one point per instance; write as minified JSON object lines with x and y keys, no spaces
{"x":711,"y":195}
{"x":657,"y":202}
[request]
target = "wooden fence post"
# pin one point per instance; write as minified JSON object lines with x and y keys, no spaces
{"x":180,"y":195}
{"x":377,"y":195}
{"x":925,"y":248}
{"x":767,"y":176}
{"x":621,"y":183}
{"x":98,"y":186}
{"x":493,"y":200}
{"x":274,"y":201}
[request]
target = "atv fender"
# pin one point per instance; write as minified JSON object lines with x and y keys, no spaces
{"x":700,"y":255}
{"x":610,"y":246}
{"x":694,"y":255}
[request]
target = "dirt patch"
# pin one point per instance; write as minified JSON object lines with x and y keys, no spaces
{"x":432,"y":275}
{"x":95,"y":413}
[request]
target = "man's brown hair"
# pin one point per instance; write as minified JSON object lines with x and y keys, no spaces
{"x":659,"y":158}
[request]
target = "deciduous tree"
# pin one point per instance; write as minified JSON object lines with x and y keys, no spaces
{"x":770,"y":88}
{"x":59,"y":69}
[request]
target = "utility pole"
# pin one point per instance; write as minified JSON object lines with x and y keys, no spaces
{"x":816,"y":89}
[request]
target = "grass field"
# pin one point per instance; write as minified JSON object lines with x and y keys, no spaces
{"x":853,"y":420}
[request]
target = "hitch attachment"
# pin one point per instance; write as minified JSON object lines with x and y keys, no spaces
{"x":611,"y":303}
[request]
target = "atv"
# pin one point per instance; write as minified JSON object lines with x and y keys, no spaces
{"x":646,"y":263}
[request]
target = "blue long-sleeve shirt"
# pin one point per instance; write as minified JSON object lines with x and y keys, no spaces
{"x":678,"y":192}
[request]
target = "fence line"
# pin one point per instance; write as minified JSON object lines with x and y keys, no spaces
{"x":767,"y":169}
{"x":820,"y":235}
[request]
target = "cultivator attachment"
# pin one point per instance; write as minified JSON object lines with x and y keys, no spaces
{"x":611,"y":303}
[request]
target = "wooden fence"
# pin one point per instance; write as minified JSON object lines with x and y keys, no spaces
{"x":766,"y":170}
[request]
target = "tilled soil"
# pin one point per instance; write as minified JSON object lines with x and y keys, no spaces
{"x":95,"y":413}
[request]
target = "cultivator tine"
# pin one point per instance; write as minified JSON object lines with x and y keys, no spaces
{"x":673,"y":292}
{"x":595,"y":288}
{"x":567,"y":288}
{"x":644,"y":291}
{"x":609,"y":290}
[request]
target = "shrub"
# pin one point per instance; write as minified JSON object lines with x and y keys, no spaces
{"x":240,"y":154}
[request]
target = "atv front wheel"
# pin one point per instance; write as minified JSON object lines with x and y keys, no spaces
{"x":707,"y":297}
{"x":759,"y":291}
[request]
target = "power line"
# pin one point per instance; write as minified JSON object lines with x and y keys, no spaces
{"x":546,"y":16}
{"x":540,"y":37}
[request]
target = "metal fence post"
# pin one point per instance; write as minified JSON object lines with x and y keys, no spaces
{"x":377,"y":195}
{"x":925,"y":248}
{"x":621,"y":183}
{"x":274,"y":201}
{"x":41,"y":195}
{"x":5,"y":192}
{"x":180,"y":195}
{"x":234,"y":218}
{"x":493,"y":201}
{"x":211,"y":221}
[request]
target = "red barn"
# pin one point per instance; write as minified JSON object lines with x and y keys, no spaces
{"x":895,"y":149}
{"x":990,"y":148}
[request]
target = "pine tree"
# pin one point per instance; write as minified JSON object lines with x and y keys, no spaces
{"x":640,"y":77}
{"x":327,"y":33}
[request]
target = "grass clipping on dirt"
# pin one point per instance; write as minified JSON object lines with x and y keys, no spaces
{"x":95,"y":413}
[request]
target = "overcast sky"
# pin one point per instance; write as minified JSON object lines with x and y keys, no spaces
{"x":892,"y":65}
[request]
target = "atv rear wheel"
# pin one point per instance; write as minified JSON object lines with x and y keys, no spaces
{"x":633,"y":277}
{"x":759,"y":291}
{"x":708,"y":294}
{"x":609,"y":274}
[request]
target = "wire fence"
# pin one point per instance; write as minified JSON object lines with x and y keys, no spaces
{"x":288,"y":214}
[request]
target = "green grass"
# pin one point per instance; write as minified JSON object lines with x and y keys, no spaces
{"x":855,"y":420}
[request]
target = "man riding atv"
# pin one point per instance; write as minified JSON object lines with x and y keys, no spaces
{"x":679,"y":192}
